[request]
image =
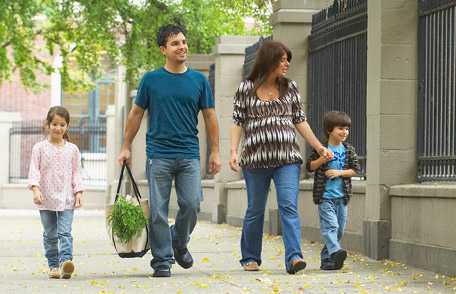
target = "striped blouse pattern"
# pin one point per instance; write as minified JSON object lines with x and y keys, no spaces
{"x":269,"y":132}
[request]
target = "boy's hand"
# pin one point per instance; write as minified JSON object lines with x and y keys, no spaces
{"x":37,"y":197}
{"x":326,"y":153}
{"x":333,"y":173}
{"x":78,"y":200}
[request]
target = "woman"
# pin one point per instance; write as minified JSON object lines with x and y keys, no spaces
{"x":267,"y":109}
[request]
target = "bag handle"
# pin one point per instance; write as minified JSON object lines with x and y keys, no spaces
{"x":133,"y":183}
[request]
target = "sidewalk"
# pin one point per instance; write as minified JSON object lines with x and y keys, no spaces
{"x":23,"y":268}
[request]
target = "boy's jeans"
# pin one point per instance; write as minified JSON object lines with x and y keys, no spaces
{"x":286,"y":180}
{"x":333,"y":217}
{"x":57,"y":239}
{"x":187,"y":180}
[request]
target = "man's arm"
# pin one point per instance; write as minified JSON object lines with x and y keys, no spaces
{"x":131,"y":129}
{"x":210,"y":120}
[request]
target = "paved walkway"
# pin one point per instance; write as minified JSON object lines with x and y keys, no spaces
{"x":216,"y":270}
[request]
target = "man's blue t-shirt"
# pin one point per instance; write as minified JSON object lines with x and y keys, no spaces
{"x":334,"y":188}
{"x":173,"y":102}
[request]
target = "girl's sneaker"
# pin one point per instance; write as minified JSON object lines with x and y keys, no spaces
{"x":66,"y":269}
{"x":54,"y":273}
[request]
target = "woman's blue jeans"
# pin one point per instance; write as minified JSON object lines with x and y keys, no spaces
{"x":286,"y":180}
{"x":57,"y":239}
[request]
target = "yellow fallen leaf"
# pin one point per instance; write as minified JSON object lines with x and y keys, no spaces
{"x":205,"y":260}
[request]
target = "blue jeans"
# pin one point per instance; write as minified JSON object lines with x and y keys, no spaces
{"x":333,"y":217}
{"x":57,"y":239}
{"x":286,"y":180}
{"x":187,"y":180}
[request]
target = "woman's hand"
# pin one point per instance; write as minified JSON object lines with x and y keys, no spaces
{"x":326,"y":153}
{"x":234,"y":164}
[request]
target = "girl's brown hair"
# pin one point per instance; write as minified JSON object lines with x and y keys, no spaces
{"x":60,"y":111}
{"x":267,"y":59}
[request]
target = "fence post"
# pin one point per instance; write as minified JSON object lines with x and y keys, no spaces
{"x":391,"y":114}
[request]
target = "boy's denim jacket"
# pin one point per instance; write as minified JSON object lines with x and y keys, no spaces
{"x":351,"y":162}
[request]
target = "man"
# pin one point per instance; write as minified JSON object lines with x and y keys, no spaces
{"x":173,"y":96}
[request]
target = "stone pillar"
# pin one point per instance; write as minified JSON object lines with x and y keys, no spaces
{"x":229,"y":58}
{"x":291,"y":25}
{"x":391,"y":114}
{"x":201,"y":62}
{"x":6,"y":121}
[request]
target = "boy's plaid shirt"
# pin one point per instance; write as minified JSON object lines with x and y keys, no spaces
{"x":351,"y":162}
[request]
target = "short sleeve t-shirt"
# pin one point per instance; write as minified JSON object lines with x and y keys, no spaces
{"x":173,"y":102}
{"x":334,"y":188}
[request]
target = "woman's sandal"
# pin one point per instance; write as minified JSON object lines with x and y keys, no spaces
{"x":296,"y":266}
{"x":251,"y":266}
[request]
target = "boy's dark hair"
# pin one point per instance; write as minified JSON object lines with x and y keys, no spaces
{"x":168,"y":30}
{"x":334,"y":119}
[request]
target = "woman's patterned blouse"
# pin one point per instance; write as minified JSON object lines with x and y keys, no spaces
{"x":269,"y":131}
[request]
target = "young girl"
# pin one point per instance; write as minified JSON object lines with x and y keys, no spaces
{"x":55,"y":180}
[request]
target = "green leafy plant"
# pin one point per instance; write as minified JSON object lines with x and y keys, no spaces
{"x":127,"y":219}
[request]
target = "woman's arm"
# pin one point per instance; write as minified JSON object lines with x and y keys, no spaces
{"x":236,"y":132}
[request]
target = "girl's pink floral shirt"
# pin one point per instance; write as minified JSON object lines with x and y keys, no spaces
{"x":57,"y":173}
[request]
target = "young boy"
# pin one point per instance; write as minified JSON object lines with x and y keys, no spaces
{"x":332,"y":187}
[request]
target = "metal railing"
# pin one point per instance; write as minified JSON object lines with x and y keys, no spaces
{"x":91,"y":140}
{"x":436,"y":131}
{"x":337,"y":69}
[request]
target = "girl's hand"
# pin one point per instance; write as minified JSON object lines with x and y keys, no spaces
{"x":333,"y":173}
{"x":37,"y":197}
{"x":234,"y":164}
{"x":77,"y":200}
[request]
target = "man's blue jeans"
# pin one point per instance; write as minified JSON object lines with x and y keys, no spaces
{"x":333,"y":217}
{"x":187,"y":180}
{"x":286,"y":180}
{"x":57,"y":239}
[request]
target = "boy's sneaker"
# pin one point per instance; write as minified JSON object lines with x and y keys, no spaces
{"x":66,"y":269}
{"x":162,"y":272}
{"x":54,"y":273}
{"x":339,"y":257}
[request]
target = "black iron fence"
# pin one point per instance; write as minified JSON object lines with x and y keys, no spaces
{"x":211,"y":77}
{"x":337,"y":68}
{"x":90,"y":138}
{"x":436,"y":132}
{"x":250,"y":55}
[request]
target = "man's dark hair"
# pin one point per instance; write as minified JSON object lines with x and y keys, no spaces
{"x":334,"y":119}
{"x":168,"y":30}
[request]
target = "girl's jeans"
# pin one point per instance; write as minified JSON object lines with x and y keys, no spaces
{"x":286,"y":180}
{"x":57,"y":239}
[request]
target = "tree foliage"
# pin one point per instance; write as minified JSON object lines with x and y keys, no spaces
{"x":87,"y":32}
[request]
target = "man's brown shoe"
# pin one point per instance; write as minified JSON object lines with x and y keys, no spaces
{"x":251,"y":266}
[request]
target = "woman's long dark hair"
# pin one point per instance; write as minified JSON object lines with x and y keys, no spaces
{"x":267,"y":59}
